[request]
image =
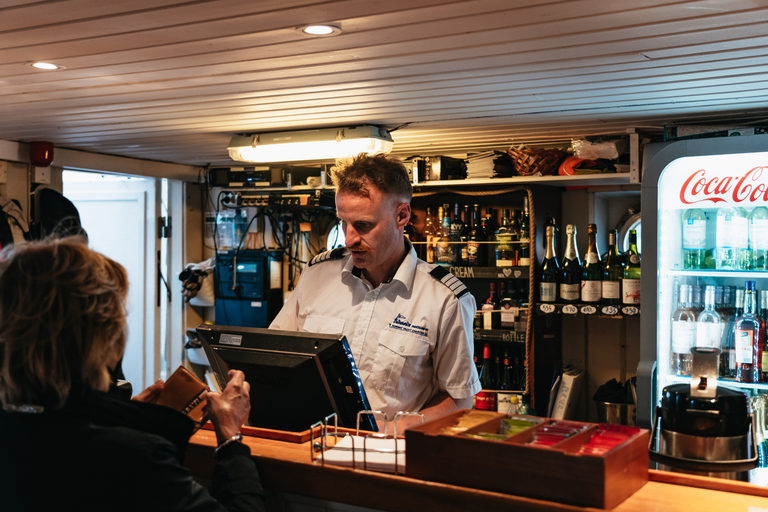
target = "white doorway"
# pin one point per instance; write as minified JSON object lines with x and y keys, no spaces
{"x":119,"y":215}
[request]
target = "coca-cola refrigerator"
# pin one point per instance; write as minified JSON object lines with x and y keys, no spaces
{"x":704,"y":235}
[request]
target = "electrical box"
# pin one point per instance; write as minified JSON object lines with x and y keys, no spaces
{"x":244,"y":296}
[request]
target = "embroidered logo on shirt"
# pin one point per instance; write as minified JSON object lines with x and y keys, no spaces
{"x":402,"y":324}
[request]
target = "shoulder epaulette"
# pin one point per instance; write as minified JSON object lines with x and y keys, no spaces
{"x":449,"y":280}
{"x":335,"y":254}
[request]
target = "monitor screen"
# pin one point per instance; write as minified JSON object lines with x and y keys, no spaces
{"x":296,"y":378}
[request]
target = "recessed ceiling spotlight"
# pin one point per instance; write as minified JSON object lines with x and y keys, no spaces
{"x":46,"y":65}
{"x":320,"y":30}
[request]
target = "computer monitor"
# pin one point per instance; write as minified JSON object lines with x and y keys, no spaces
{"x":296,"y":378}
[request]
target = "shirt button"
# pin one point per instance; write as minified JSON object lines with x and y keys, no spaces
{"x":402,"y":348}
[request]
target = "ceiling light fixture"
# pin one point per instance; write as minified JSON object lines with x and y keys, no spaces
{"x":303,"y":145}
{"x":320,"y":30}
{"x":46,"y":65}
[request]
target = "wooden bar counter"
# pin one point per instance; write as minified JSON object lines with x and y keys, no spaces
{"x":286,"y":467}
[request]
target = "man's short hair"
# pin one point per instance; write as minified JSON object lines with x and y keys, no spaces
{"x":62,"y":321}
{"x":356,"y":174}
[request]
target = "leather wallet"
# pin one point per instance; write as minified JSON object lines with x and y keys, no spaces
{"x":183,"y":391}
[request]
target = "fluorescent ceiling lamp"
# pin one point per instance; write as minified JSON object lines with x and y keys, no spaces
{"x":322,"y":144}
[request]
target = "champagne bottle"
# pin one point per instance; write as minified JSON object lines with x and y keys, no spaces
{"x":694,"y":238}
{"x":548,"y":276}
{"x":630,"y":284}
{"x":570,"y":270}
{"x":749,"y":338}
{"x":429,"y":234}
{"x":683,"y":333}
{"x":591,"y":270}
{"x":613,"y":271}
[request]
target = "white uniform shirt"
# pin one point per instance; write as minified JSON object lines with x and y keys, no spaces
{"x":411,"y":337}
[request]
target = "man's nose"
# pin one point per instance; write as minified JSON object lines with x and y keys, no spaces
{"x":351,"y":236}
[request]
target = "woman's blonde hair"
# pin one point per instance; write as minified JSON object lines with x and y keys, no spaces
{"x":62,"y":321}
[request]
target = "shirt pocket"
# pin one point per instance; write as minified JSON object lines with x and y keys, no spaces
{"x":324,"y":324}
{"x":397,"y":356}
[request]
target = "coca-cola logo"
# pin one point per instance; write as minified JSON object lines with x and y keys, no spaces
{"x":749,"y":187}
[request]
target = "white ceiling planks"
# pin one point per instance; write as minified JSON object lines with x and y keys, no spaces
{"x":173,"y":80}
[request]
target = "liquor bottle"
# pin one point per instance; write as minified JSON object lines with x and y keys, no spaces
{"x":489,"y":255}
{"x":475,"y":239}
{"x":758,"y":239}
{"x":613,"y":271}
{"x":764,"y":317}
{"x":496,"y":369}
{"x":508,"y":307}
{"x":524,"y":255}
{"x":456,"y":227}
{"x":515,"y":226}
{"x":570,"y":270}
{"x":591,"y":270}
{"x":694,"y":238}
{"x":490,"y":223}
{"x":683,"y":333}
{"x":732,"y":237}
{"x":464,"y":235}
{"x":724,"y":306}
{"x":709,"y":324}
{"x":505,"y":240}
{"x":630,"y":284}
{"x":749,"y":339}
{"x":445,"y":250}
{"x":548,"y":276}
{"x":491,"y":319}
{"x":486,"y":399}
{"x":429,"y":233}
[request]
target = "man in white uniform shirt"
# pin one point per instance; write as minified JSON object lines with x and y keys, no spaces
{"x":407,"y":322}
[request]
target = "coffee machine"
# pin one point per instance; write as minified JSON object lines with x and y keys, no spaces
{"x":702,"y":428}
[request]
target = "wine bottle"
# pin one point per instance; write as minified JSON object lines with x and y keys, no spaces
{"x":475,"y":239}
{"x":613,"y":271}
{"x":683,"y":333}
{"x":591,"y":270}
{"x":505,"y":241}
{"x":630,"y":284}
{"x":524,"y":255}
{"x":486,"y":399}
{"x":464,"y":235}
{"x":429,"y":234}
{"x":488,"y":254}
{"x":548,"y":276}
{"x":708,"y":324}
{"x":724,"y":305}
{"x":570,"y":270}
{"x":491,"y":317}
{"x":507,"y":306}
{"x":507,"y":374}
{"x":758,"y":239}
{"x":694,"y":238}
{"x":749,"y":339}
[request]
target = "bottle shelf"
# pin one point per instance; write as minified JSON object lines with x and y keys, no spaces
{"x":588,"y":309}
{"x":681,"y":379}
{"x":499,"y":335}
{"x":745,"y":274}
{"x":490,"y":272}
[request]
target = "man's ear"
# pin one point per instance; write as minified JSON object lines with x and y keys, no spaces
{"x":403,"y":214}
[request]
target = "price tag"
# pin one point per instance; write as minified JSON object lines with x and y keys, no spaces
{"x":610,"y":310}
{"x":547,"y":308}
{"x":588,"y":310}
{"x":630,"y":310}
{"x":570,"y":309}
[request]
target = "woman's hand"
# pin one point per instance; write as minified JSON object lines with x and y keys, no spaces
{"x":229,"y":409}
{"x":150,"y":393}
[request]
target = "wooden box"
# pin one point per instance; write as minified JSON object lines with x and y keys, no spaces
{"x":513,"y":466}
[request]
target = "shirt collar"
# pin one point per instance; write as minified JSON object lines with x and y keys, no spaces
{"x":405,"y":273}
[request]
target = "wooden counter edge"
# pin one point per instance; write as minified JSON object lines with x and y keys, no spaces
{"x":704,"y":482}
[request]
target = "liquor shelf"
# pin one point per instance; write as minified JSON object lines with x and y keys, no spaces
{"x":617,"y":311}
